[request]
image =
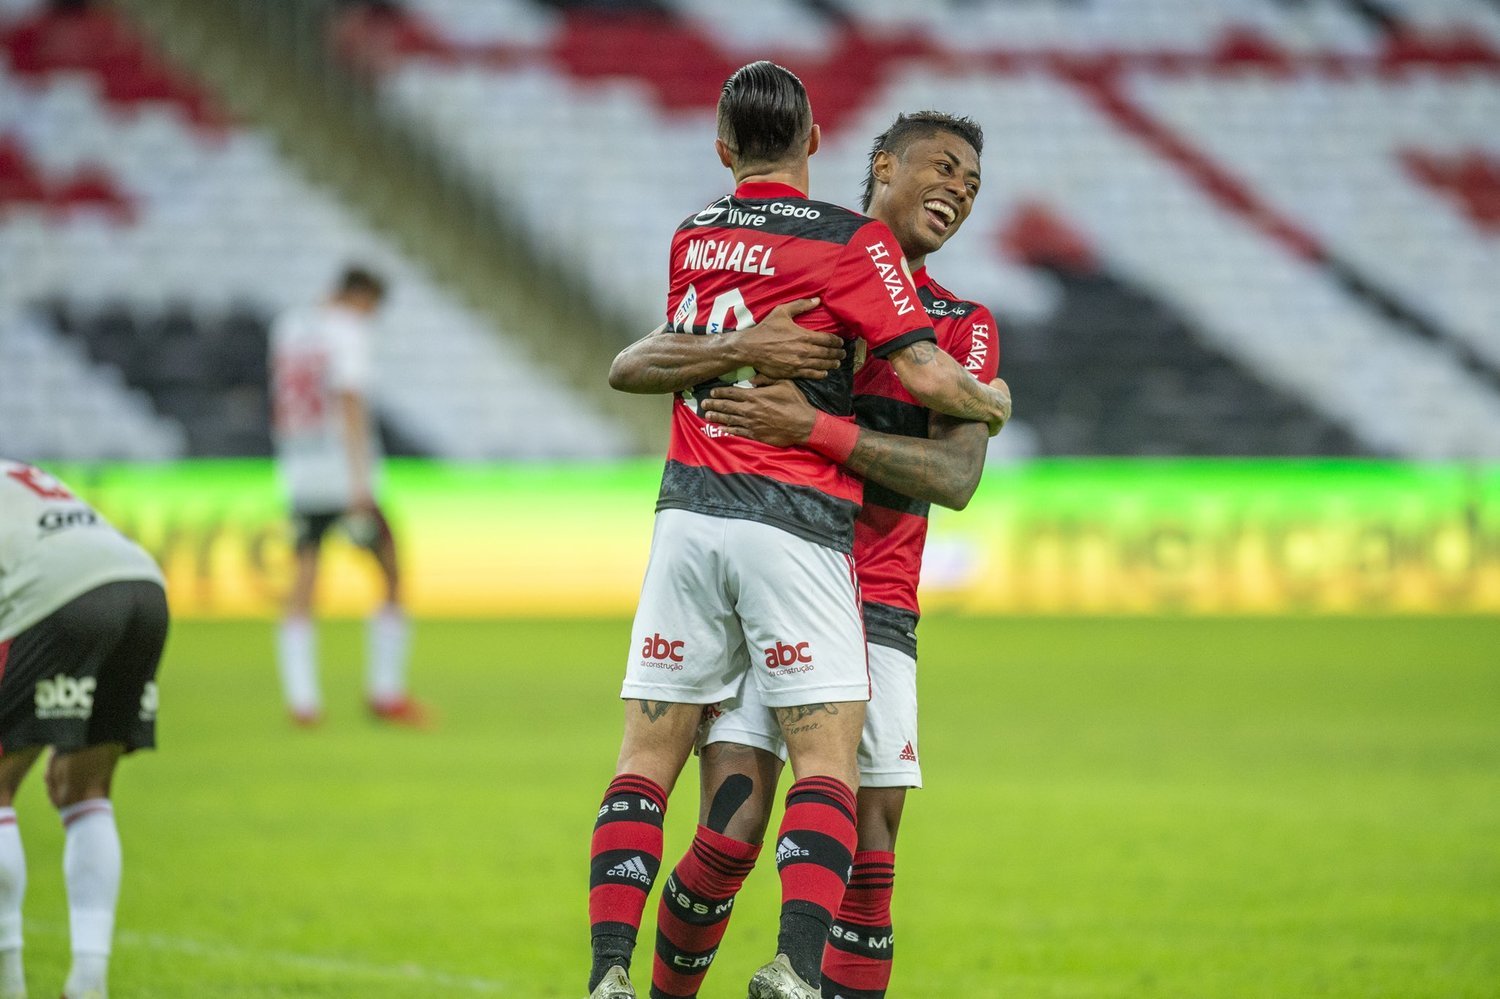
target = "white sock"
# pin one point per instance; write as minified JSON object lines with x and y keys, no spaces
{"x":297,"y":647}
{"x":388,"y":635}
{"x":12,"y":891}
{"x":91,"y":870}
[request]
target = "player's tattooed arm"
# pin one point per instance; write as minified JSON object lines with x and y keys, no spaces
{"x":943,"y":468}
{"x":665,"y":361}
{"x":941,"y":383}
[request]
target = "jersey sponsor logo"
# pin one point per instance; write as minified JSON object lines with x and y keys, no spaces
{"x":979,"y":347}
{"x":728,"y":255}
{"x":662,"y":651}
{"x":890,"y":275}
{"x":687,"y":310}
{"x":60,"y":520}
{"x":785,"y":657}
{"x":792,"y":211}
{"x":711,"y":214}
{"x":64,"y":696}
{"x":942,"y":307}
{"x":633,"y":869}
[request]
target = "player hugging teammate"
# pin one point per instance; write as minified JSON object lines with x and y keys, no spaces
{"x":751,"y":558}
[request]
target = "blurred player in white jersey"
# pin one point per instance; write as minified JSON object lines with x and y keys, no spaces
{"x":83,"y":617}
{"x":329,"y":458}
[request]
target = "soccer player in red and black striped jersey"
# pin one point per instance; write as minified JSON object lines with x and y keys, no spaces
{"x":750,"y":581}
{"x":923,"y":177}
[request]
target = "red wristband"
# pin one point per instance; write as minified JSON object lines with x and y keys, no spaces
{"x":832,"y":437}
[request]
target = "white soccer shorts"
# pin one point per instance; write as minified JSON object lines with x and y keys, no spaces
{"x":887,"y":746}
{"x":726,"y":601}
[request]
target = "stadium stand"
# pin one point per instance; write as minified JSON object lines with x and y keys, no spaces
{"x":138,"y":219}
{"x":1294,"y":200}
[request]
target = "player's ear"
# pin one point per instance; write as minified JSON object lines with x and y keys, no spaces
{"x":883,"y":166}
{"x":814,"y":139}
{"x":726,"y":156}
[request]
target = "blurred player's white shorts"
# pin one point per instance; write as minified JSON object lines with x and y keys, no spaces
{"x":888,"y":754}
{"x":726,"y":601}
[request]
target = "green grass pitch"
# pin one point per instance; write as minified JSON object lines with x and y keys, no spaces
{"x":1197,"y":809}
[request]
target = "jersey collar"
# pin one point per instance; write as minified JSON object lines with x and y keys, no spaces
{"x":920,"y":278}
{"x":768,"y":189}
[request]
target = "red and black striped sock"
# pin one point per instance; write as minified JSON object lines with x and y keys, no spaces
{"x":813,"y":852}
{"x":626,"y":854}
{"x":696,"y":903}
{"x":857,"y":960}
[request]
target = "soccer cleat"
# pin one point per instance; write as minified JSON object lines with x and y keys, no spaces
{"x":777,"y":980}
{"x":614,"y":985}
{"x":405,"y":711}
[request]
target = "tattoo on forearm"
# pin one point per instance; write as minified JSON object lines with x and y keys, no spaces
{"x":654,"y":710}
{"x":912,"y":466}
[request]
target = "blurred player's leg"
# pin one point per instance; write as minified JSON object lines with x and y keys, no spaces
{"x":297,"y":642}
{"x":388,"y":635}
{"x":13,"y":768}
{"x":79,"y":784}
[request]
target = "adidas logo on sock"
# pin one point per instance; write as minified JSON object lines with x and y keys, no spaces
{"x":634,"y":869}
{"x":787,"y":849}
{"x":908,"y":753}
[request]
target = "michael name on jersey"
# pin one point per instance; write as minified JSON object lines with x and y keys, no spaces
{"x":728,"y":255}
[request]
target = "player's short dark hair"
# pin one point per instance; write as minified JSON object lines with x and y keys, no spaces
{"x":357,"y":280}
{"x":908,"y":128}
{"x":763,"y":114}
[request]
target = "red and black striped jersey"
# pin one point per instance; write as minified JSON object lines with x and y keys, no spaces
{"x":892,"y":528}
{"x":734,"y":262}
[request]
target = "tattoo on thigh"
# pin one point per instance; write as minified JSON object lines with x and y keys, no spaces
{"x":654,"y":710}
{"x":792,"y":715}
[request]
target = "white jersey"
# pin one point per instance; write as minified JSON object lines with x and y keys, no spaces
{"x":318,"y":353}
{"x":54,"y":547}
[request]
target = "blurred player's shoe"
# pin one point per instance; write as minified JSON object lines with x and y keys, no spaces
{"x":614,"y":985}
{"x":92,"y":993}
{"x":777,"y":980}
{"x":306,"y":718}
{"x":406,"y":711}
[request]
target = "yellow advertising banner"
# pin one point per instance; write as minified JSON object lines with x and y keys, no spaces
{"x":1045,"y":537}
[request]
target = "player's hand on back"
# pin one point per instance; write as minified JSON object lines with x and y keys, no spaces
{"x":777,"y":414}
{"x":778,"y":348}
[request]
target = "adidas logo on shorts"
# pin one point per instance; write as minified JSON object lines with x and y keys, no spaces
{"x":908,"y":753}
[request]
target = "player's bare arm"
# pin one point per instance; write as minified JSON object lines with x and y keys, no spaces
{"x":941,"y":383}
{"x":664,"y":361}
{"x":942,"y":469}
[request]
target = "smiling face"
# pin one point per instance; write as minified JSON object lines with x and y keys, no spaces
{"x":926,"y":192}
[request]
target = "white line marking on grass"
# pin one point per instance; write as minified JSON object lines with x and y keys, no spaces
{"x":406,"y":972}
